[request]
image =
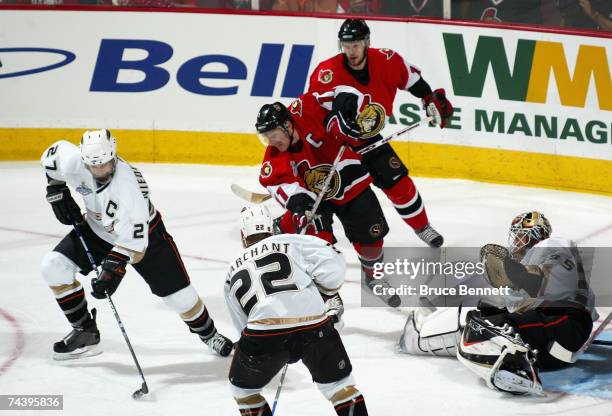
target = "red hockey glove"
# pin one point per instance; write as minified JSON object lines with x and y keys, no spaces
{"x":437,"y":105}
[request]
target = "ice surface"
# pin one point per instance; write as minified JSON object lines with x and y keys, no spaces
{"x":184,"y":376}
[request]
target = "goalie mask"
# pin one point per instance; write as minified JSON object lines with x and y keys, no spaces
{"x":255,"y":220}
{"x":99,"y":153}
{"x":527,"y":230}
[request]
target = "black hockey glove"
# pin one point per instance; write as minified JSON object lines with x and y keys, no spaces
{"x":113,"y":270}
{"x":65,"y":209}
{"x":301,"y":206}
{"x":437,"y":105}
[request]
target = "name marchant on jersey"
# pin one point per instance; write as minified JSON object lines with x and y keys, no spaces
{"x":256,"y":251}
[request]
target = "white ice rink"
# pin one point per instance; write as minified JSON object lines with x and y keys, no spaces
{"x":184,"y":376}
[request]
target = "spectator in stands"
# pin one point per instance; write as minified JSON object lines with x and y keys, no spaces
{"x":322,"y":6}
{"x":511,"y":11}
{"x":586,"y":14}
{"x":431,"y":8}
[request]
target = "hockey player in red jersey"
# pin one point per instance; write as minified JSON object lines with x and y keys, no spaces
{"x":379,"y":73}
{"x":299,"y":157}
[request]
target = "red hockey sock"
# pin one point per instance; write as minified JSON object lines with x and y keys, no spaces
{"x":408,"y":203}
{"x":369,"y":254}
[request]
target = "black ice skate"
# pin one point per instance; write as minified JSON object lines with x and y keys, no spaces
{"x":220,"y":344}
{"x":430,"y":236}
{"x":83,"y":341}
{"x":392,"y":300}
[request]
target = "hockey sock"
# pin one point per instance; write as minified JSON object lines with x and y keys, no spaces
{"x":254,"y":405}
{"x":408,"y":203}
{"x":349,"y":402}
{"x":369,"y":254}
{"x":199,"y":321}
{"x":71,"y":299}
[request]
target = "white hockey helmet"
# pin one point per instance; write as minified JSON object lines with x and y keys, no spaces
{"x":255,"y":219}
{"x":98,"y":147}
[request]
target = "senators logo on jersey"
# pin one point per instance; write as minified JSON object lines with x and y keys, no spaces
{"x":315,"y":178}
{"x":266,"y":170}
{"x":387,"y":52}
{"x":371,"y":119}
{"x":296,"y":107}
{"x":326,"y":76}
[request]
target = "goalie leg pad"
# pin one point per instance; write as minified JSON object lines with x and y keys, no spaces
{"x":436,"y":334}
{"x":499,"y":356}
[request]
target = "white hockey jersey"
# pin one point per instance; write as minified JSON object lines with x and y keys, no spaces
{"x":564,"y":277}
{"x":118,"y":211}
{"x":275,"y":283}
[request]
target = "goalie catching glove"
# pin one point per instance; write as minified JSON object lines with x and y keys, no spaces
{"x":502,"y":270}
{"x":437,"y":106}
{"x":113,"y":270}
{"x":494,"y":257}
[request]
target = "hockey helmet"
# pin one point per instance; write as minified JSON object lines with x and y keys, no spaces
{"x":352,"y":30}
{"x":271,"y":116}
{"x":255,"y":219}
{"x":98,"y":147}
{"x":99,"y":153}
{"x":528,"y":229}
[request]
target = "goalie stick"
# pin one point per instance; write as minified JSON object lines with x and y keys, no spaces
{"x":258,"y":198}
{"x":559,"y":352}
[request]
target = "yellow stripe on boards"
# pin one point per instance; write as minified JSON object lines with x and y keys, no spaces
{"x":507,"y":166}
{"x":423,"y":159}
{"x":143,"y":145}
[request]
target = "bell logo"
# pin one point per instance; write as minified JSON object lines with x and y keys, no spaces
{"x":192,"y":74}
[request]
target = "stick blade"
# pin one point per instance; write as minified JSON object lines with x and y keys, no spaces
{"x":254,"y":197}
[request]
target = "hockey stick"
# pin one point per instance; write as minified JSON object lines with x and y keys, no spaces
{"x":559,"y":352}
{"x":394,"y":135}
{"x":144,"y":389}
{"x":258,"y":198}
{"x":310,"y":217}
{"x":602,"y":342}
{"x":254,"y":197}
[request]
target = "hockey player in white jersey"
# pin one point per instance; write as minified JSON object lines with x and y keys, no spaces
{"x":506,"y":343}
{"x":120,"y":226}
{"x":275,"y":292}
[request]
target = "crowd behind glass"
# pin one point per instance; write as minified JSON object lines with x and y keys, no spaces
{"x":585,"y":14}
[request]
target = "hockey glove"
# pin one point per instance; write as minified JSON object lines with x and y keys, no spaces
{"x":64,"y":207}
{"x":113,"y":270}
{"x":300,"y":205}
{"x":343,"y":130}
{"x":334,"y":306}
{"x":437,"y":105}
{"x":494,"y":257}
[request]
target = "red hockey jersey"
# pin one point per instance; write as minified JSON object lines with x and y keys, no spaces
{"x":304,"y":167}
{"x":388,"y":72}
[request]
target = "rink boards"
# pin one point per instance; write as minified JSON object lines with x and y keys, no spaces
{"x":532,"y":107}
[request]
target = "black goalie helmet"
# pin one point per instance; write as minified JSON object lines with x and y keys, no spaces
{"x":353,"y":29}
{"x":271,"y":116}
